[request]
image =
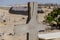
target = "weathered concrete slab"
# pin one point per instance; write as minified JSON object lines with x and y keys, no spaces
{"x":33,"y":26}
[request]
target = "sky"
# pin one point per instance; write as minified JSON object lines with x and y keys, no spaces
{"x":12,"y":2}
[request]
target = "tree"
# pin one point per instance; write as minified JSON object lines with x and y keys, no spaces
{"x":54,"y":16}
{"x":49,"y":19}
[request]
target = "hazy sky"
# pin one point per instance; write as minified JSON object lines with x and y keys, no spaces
{"x":12,"y":2}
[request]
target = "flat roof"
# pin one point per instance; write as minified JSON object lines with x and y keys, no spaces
{"x":20,"y":9}
{"x":49,"y":35}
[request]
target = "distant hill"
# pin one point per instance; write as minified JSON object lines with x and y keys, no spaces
{"x":5,"y":7}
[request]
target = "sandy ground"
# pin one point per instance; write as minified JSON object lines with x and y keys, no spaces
{"x":11,"y":20}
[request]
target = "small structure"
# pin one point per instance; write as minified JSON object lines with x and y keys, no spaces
{"x":49,"y":36}
{"x":19,"y":10}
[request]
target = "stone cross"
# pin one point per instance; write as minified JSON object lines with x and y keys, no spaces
{"x":32,"y":27}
